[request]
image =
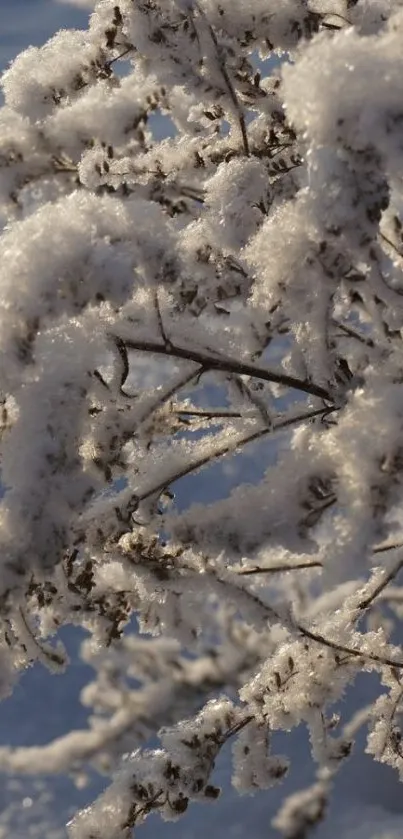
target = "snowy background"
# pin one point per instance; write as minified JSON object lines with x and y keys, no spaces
{"x":368,"y":800}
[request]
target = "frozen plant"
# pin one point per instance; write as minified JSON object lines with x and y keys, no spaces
{"x":255,"y":255}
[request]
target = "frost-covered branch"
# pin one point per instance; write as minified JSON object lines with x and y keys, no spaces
{"x":177,"y":314}
{"x":209,"y":362}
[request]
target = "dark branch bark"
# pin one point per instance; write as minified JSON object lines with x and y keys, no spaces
{"x":213,"y":414}
{"x":317,"y":637}
{"x":380,"y":587}
{"x":228,"y":365}
{"x":279,"y":569}
{"x":353,"y":333}
{"x":391,"y":546}
{"x":341,"y":648}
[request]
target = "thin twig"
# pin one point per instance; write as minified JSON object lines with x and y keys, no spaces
{"x":236,"y":728}
{"x":161,"y":327}
{"x":227,"y":448}
{"x":336,"y":14}
{"x":121,"y":348}
{"x":101,"y":379}
{"x":228,"y":83}
{"x":255,"y":400}
{"x":341,"y":648}
{"x":392,"y":715}
{"x":228,"y":365}
{"x":52,"y":655}
{"x":163,"y":398}
{"x":391,"y":546}
{"x":352,"y":333}
{"x":191,"y":192}
{"x":279,"y":569}
{"x":209,"y":414}
{"x":391,"y":245}
{"x":317,"y":637}
{"x":380,"y":587}
{"x":118,"y":57}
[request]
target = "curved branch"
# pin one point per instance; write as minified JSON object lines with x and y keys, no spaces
{"x":227,"y":448}
{"x":228,"y":365}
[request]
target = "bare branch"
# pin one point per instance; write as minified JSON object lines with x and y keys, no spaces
{"x":161,"y":399}
{"x":342,"y":648}
{"x":279,"y":569}
{"x":389,"y":576}
{"x":228,"y":83}
{"x":391,"y":546}
{"x":317,"y":637}
{"x":227,"y":448}
{"x":211,"y":362}
{"x":391,"y":245}
{"x":121,"y":348}
{"x":52,"y":655}
{"x":121,"y":55}
{"x":353,"y":333}
{"x":218,"y":414}
{"x":161,"y":327}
